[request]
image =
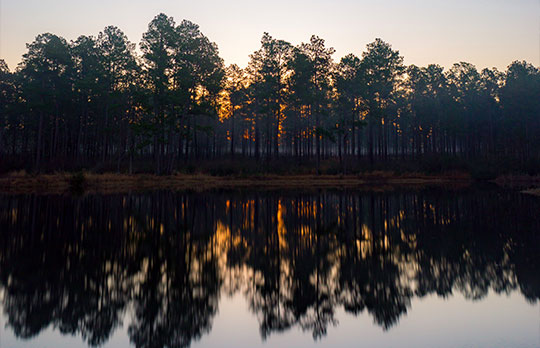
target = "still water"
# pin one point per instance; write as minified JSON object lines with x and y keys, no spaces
{"x":400,"y":268}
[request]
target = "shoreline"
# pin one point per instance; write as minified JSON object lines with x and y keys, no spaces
{"x":58,"y":183}
{"x":533,"y":191}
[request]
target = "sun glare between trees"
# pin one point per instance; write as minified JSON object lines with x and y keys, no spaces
{"x":96,"y":103}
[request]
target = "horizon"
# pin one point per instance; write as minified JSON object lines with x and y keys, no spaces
{"x":482,"y":39}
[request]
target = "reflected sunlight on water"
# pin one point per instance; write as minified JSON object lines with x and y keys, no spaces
{"x":416,"y":268}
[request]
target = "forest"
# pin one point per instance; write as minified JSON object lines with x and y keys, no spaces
{"x":99,"y":103}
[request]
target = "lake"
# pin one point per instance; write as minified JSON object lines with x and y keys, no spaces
{"x":418,"y":267}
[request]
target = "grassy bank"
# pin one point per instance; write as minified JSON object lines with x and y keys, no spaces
{"x":21,"y":182}
{"x":434,"y":165}
{"x":533,"y":191}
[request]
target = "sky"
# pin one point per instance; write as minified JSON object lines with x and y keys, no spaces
{"x":487,"y":33}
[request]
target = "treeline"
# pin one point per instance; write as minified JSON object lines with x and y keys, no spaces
{"x":97,"y":103}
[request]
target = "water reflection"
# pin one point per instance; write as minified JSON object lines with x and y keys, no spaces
{"x":164,"y":259}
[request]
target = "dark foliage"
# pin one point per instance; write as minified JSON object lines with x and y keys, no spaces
{"x":94,"y":103}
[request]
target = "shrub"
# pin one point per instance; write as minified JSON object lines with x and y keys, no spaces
{"x":77,"y":182}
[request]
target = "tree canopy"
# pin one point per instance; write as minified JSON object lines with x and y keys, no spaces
{"x":98,"y":103}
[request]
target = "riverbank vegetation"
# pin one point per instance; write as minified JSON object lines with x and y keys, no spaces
{"x":80,"y":182}
{"x":100,"y":105}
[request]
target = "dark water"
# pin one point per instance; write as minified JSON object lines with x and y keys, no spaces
{"x":412,"y":268}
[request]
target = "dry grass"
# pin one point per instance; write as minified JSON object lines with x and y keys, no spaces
{"x":513,"y":180}
{"x":20,"y":182}
{"x":533,"y":191}
{"x":529,"y":184}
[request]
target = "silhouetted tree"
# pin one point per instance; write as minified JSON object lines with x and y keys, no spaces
{"x":95,"y":103}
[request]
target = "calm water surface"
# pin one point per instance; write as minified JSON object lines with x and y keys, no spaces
{"x":402,"y":268}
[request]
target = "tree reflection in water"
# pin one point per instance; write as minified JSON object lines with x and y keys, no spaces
{"x":163,"y":258}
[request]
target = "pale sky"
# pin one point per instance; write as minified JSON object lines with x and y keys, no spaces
{"x":487,"y":33}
